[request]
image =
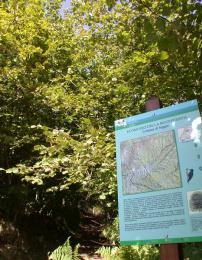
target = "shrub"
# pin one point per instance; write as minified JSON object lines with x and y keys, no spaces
{"x":65,"y":252}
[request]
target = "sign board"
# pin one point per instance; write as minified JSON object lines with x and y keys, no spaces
{"x":159,"y":171}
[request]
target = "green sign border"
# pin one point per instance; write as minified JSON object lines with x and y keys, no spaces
{"x":161,"y":241}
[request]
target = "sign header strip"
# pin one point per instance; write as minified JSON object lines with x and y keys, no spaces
{"x":154,"y":117}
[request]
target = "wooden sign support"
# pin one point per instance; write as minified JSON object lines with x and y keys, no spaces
{"x":167,"y":251}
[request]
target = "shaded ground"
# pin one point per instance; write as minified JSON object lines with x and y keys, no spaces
{"x":89,"y":237}
{"x":40,"y":236}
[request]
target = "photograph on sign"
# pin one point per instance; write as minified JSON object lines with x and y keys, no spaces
{"x":195,"y":201}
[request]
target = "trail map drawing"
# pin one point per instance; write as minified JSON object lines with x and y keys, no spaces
{"x":150,"y":163}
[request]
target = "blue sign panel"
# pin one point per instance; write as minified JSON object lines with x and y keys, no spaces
{"x":159,"y":171}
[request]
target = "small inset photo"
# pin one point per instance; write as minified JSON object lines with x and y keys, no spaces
{"x":195,"y":201}
{"x":185,"y":134}
{"x":120,"y":122}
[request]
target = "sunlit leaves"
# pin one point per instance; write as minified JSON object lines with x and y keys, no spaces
{"x":164,"y":55}
{"x":64,"y":82}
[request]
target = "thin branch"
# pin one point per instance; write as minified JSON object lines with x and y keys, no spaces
{"x":153,"y":12}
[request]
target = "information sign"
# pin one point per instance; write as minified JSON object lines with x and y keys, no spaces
{"x":159,"y":171}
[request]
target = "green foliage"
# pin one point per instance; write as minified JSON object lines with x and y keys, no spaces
{"x":63,"y":82}
{"x":192,"y":251}
{"x":139,"y":253}
{"x":108,"y":253}
{"x":111,"y":232}
{"x":65,"y":252}
{"x":129,"y":253}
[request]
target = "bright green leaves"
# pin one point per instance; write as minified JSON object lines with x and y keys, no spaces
{"x":102,"y":197}
{"x":164,"y":55}
{"x":64,"y":82}
{"x":14,"y":170}
{"x":93,"y":161}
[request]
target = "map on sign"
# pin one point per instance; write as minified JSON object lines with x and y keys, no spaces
{"x":150,"y":163}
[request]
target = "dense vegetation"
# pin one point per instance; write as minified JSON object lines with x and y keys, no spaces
{"x":63,"y":82}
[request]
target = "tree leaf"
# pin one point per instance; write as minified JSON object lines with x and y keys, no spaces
{"x":164,"y":55}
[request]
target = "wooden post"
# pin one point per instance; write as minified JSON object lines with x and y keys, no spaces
{"x":152,"y":104}
{"x":167,"y":251}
